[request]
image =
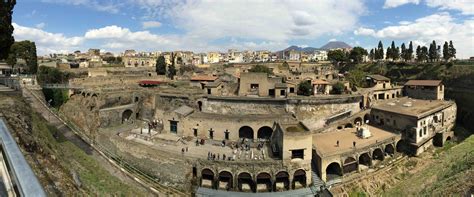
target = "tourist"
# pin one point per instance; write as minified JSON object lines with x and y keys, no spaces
{"x":182,"y":151}
{"x":354,"y":144}
{"x":337,"y":143}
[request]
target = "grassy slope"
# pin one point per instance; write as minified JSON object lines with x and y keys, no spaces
{"x":451,"y":174}
{"x":94,"y":178}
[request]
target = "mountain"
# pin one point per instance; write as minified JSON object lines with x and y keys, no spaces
{"x":297,"y":48}
{"x":335,"y":45}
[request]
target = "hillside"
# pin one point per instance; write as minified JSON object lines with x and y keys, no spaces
{"x":335,"y":45}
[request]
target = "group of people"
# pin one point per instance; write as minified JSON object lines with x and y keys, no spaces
{"x":213,"y":156}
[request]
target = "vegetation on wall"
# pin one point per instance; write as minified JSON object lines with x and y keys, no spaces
{"x":305,"y":88}
{"x":161,"y":65}
{"x":261,"y":69}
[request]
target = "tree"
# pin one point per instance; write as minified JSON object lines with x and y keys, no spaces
{"x":418,"y":53}
{"x":452,"y":50}
{"x":337,"y":56}
{"x":379,"y":51}
{"x":171,"y":71}
{"x":6,"y":27}
{"x":424,"y":53}
{"x":404,"y":52}
{"x":356,"y":77}
{"x":305,"y":88}
{"x":285,"y":65}
{"x":433,"y":52}
{"x":388,"y":54}
{"x":446,"y":54}
{"x":357,"y":53}
{"x":25,"y":50}
{"x":338,"y":88}
{"x":261,"y":69}
{"x":409,"y":53}
{"x":396,"y":53}
{"x":161,"y":65}
{"x":372,"y":55}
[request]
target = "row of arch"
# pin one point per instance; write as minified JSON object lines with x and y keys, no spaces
{"x":245,"y":182}
{"x":247,"y":132}
{"x":351,"y":164}
{"x":357,"y":120}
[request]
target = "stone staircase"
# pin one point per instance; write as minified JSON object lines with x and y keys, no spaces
{"x":318,"y":184}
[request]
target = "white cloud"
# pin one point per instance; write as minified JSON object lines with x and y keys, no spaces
{"x":332,"y":39}
{"x":465,"y":6}
{"x":111,"y":6}
{"x":440,"y":27}
{"x":150,"y":24}
{"x":40,"y":25}
{"x":276,"y":21}
{"x":396,"y":3}
{"x":46,"y":42}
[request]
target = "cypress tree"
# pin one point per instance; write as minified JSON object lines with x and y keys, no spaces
{"x":446,"y":54}
{"x":404,"y":52}
{"x":452,"y":50}
{"x":6,"y":27}
{"x":409,"y":54}
{"x":379,"y":51}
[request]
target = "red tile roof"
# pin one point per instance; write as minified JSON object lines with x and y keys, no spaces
{"x":320,"y":82}
{"x":423,"y":83}
{"x":150,"y":82}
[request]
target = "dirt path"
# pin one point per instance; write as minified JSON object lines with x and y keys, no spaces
{"x":76,"y":140}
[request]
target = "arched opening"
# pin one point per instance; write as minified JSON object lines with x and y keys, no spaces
{"x":400,"y":146}
{"x":200,"y":105}
{"x":398,"y":94}
{"x":448,"y":138}
{"x":299,"y":179}
{"x":350,"y":165}
{"x":246,"y":132}
{"x":378,"y":154}
{"x":136,"y":99}
{"x":393,"y":95}
{"x":207,"y":177}
{"x":348,"y":125}
{"x":137,"y":115}
{"x":264,"y":182}
{"x":194,"y":172}
{"x":126,"y":115}
{"x":358,"y":120}
{"x":245,"y":182}
{"x":365,"y":161}
{"x":282,"y":181}
{"x":389,"y":149}
{"x":333,"y":171}
{"x":225,"y":180}
{"x":339,"y":127}
{"x":265,"y":133}
{"x":366,"y":118}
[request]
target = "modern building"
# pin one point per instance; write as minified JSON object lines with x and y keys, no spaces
{"x":425,"y":89}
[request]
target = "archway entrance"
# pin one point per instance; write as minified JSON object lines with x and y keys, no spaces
{"x":246,"y":132}
{"x":265,"y":133}
{"x":245,"y":182}
{"x":225,"y":180}
{"x":299,"y":179}
{"x":365,"y":161}
{"x":378,"y":154}
{"x":358,"y":120}
{"x":126,"y":115}
{"x":207,"y":177}
{"x":366,"y":118}
{"x":264,"y":182}
{"x":282,"y":181}
{"x":400,"y":146}
{"x":389,"y":149}
{"x":350,"y":165}
{"x":333,"y":171}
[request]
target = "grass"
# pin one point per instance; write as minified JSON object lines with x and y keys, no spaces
{"x":451,"y":174}
{"x":94,"y":178}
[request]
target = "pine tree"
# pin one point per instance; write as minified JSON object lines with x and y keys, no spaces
{"x":418,"y":53}
{"x":379,"y":51}
{"x":393,"y":52}
{"x":409,"y":54}
{"x":404,"y":52}
{"x":424,"y":53}
{"x":446,"y":54}
{"x":433,"y":51}
{"x":372,"y":55}
{"x":452,"y":50}
{"x":6,"y":27}
{"x":388,"y":54}
{"x":161,"y":66}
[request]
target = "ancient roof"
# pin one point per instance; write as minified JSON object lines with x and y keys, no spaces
{"x":213,"y":84}
{"x":379,"y":77}
{"x":280,"y":85}
{"x":423,"y":83}
{"x":320,"y":82}
{"x":150,"y":82}
{"x":184,"y":110}
{"x":203,"y":78}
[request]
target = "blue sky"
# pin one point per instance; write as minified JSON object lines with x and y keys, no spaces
{"x":200,"y":26}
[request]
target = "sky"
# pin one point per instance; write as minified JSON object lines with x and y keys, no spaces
{"x":58,"y":26}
